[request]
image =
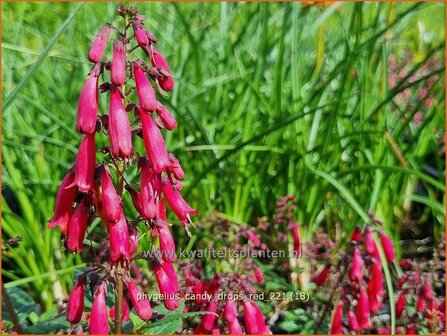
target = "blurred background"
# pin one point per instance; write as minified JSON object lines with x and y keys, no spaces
{"x":340,"y":104}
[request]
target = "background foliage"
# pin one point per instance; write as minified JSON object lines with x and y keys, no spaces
{"x":271,"y":99}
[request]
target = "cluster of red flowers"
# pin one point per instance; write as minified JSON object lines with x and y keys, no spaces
{"x":228,"y":295}
{"x":365,"y":282}
{"x":89,"y":185}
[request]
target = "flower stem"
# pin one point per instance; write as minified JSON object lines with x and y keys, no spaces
{"x":119,"y":304}
{"x":12,"y":313}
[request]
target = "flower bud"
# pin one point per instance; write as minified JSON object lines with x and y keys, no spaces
{"x":362,"y":311}
{"x":154,"y":143}
{"x":400,"y":305}
{"x":356,"y":235}
{"x":336,"y":323}
{"x":139,"y":302}
{"x":167,"y":283}
{"x":110,"y":202}
{"x":99,"y":45}
{"x":99,"y":323}
{"x":258,"y":275}
{"x":76,"y":301}
{"x":296,"y":238}
{"x":119,"y":240}
{"x":88,"y":105}
{"x":77,"y":225}
{"x":145,"y":91}
{"x":177,"y":203}
{"x":166,"y":117}
{"x":118,"y":66}
{"x":119,"y":130}
{"x":370,"y":245}
{"x":167,"y":245}
{"x":320,"y":277}
{"x":64,"y":203}
{"x":356,"y":270}
{"x":254,"y":319}
{"x":208,"y":319}
{"x":388,"y":247}
{"x":159,"y":62}
{"x":230,"y":311}
{"x":140,"y":34}
{"x":85,"y":164}
{"x":149,"y":181}
{"x":175,"y":167}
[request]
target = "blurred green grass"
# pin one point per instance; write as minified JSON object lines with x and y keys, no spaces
{"x":271,"y":98}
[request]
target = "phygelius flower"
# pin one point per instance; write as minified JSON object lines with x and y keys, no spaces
{"x":258,"y":275}
{"x":77,"y":225}
{"x":110,"y":203}
{"x":208,"y":319}
{"x":159,"y":62}
{"x":230,"y":315}
{"x":296,"y":238}
{"x":145,"y":91}
{"x":320,"y":277}
{"x":181,"y":209}
{"x":133,"y":239}
{"x":118,"y":66}
{"x":356,"y":270}
{"x":166,"y":117}
{"x":356,"y":235}
{"x":64,"y":203}
{"x":119,"y":240}
{"x":388,"y":247}
{"x":99,"y":45}
{"x":370,"y":245}
{"x":167,"y":283}
{"x":139,"y":301}
{"x":375,"y":287}
{"x":150,"y":188}
{"x":140,"y":34}
{"x":175,"y":168}
{"x":88,"y":105}
{"x":167,"y":245}
{"x":99,"y":323}
{"x":119,"y":130}
{"x":400,"y":305}
{"x":85,"y":164}
{"x":154,"y":143}
{"x":254,"y":319}
{"x":125,"y":311}
{"x":336,"y":323}
{"x":362,"y":310}
{"x":75,"y":306}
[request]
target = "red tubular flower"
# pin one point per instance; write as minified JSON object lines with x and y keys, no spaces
{"x":85,"y":164}
{"x":254,"y":319}
{"x":125,"y":311}
{"x":230,"y":315}
{"x":175,"y":168}
{"x":166,"y":117}
{"x":145,"y":91}
{"x":352,"y":321}
{"x":139,"y":302}
{"x":370,"y":245}
{"x":133,"y":239}
{"x":362,"y":311}
{"x":140,"y":34}
{"x":388,"y":247}
{"x":208,"y":319}
{"x":167,"y":283}
{"x":99,"y":323}
{"x":375,"y":287}
{"x":251,"y":236}
{"x":167,"y":245}
{"x":296,"y":238}
{"x":64,"y":203}
{"x":420,"y":303}
{"x":110,"y":202}
{"x":77,"y":225}
{"x":258,"y":275}
{"x":119,"y":240}
{"x":178,"y":204}
{"x":88,"y":105}
{"x":154,"y":143}
{"x":99,"y":45}
{"x":320,"y":277}
{"x":159,"y":62}
{"x":400,"y":305}
{"x":336,"y":323}
{"x":356,"y":235}
{"x":119,"y":130}
{"x":356,"y":270}
{"x":235,"y":327}
{"x":149,"y":184}
{"x":118,"y":66}
{"x":427,"y":291}
{"x":76,"y":301}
